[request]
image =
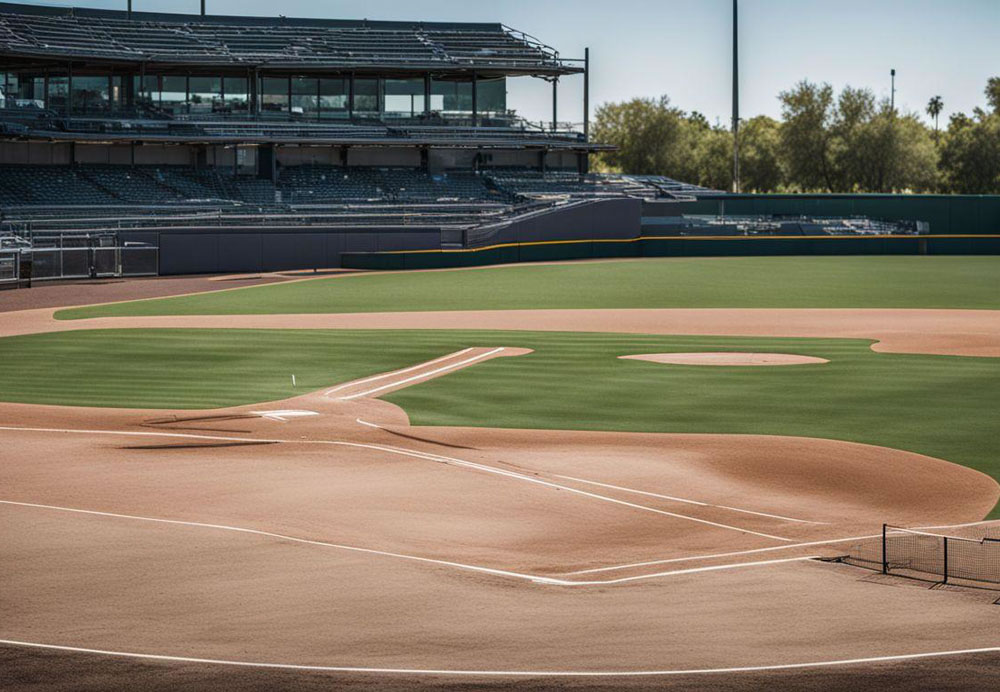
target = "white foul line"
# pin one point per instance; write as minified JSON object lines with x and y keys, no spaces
{"x":505,"y":673}
{"x":961,"y":526}
{"x":424,"y":375}
{"x":690,"y":502}
{"x":523,"y":477}
{"x":427,"y":456}
{"x":537,"y":579}
{"x":720,"y":555}
{"x":395,"y":372}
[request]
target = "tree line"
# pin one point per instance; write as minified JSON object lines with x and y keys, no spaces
{"x":824,"y":142}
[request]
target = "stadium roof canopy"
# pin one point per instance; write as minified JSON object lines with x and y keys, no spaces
{"x":35,"y":33}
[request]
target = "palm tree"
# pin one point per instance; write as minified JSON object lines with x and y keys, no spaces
{"x":934,"y":108}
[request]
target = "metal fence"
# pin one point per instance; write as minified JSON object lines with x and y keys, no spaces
{"x":77,"y":256}
{"x":93,"y":262}
{"x":931,"y":557}
{"x":10,"y":265}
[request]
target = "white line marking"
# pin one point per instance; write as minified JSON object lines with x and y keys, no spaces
{"x":138,"y":433}
{"x":283,"y":537}
{"x":423,"y":375}
{"x":961,"y":526}
{"x":418,"y":455}
{"x":512,"y":474}
{"x":690,"y":502}
{"x":375,"y":378}
{"x":506,"y":673}
{"x":900,"y":531}
{"x":534,"y":578}
{"x":720,"y":555}
{"x":370,"y":425}
{"x":283,"y":416}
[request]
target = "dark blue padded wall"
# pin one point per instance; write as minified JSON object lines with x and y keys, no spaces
{"x":214,"y":250}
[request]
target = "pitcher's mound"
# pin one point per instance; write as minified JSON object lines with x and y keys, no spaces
{"x":720,"y":358}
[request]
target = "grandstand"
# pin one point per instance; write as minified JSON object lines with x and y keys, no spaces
{"x":373,"y":135}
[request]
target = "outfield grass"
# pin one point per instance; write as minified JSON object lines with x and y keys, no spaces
{"x":936,"y":405}
{"x":750,"y":282}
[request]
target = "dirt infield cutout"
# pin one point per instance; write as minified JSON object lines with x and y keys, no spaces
{"x":727,"y":358}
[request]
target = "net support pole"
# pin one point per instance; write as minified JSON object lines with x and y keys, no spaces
{"x":945,"y":580}
{"x":885,"y":557}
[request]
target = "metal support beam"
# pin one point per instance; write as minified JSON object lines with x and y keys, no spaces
{"x":253,"y":91}
{"x":555,"y":104}
{"x":202,"y":8}
{"x":142,"y":87}
{"x":130,"y":9}
{"x":350,"y":98}
{"x":427,"y":94}
{"x":475,"y":99}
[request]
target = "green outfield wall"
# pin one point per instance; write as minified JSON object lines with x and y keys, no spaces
{"x":946,"y":214}
{"x":690,"y":246}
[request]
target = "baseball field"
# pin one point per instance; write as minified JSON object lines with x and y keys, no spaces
{"x":604,"y":474}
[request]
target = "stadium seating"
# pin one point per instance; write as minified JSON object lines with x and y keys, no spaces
{"x":533,"y":183}
{"x":347,"y":43}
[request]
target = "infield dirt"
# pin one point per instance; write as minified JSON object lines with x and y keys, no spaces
{"x":324,"y":530}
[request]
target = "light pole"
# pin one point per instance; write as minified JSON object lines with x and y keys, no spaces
{"x":892,"y":98}
{"x":736,"y":98}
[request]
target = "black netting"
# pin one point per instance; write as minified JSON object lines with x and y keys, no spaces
{"x":866,"y":553}
{"x":974,"y":560}
{"x":914,"y":552}
{"x":934,"y":557}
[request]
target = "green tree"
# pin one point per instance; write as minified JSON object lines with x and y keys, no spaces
{"x":896,"y":154}
{"x":652,"y":138}
{"x":970,"y":155}
{"x":760,"y":160}
{"x":808,"y":111}
{"x":714,"y":156}
{"x":993,"y":93}
{"x":876,"y":149}
{"x":850,"y":124}
{"x":934,"y":108}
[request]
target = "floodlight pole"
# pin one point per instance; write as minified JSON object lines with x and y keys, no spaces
{"x":892,"y":98}
{"x":586,"y":94}
{"x":130,"y":9}
{"x":736,"y":98}
{"x":202,"y":8}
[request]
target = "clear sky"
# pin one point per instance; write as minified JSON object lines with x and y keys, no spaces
{"x":682,"y":48}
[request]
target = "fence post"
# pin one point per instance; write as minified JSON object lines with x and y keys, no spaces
{"x":885,"y":558}
{"x":945,"y":560}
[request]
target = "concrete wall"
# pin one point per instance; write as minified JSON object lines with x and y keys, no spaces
{"x":221,"y":250}
{"x":298,"y":156}
{"x":611,"y":218}
{"x":37,"y":153}
{"x":357,"y":156}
